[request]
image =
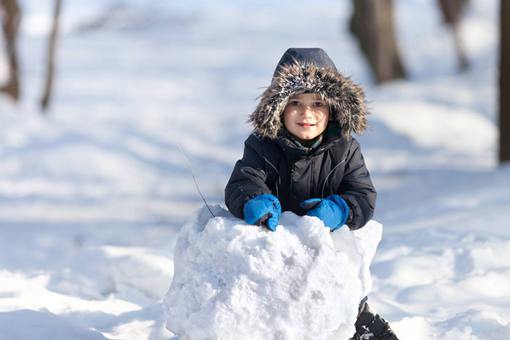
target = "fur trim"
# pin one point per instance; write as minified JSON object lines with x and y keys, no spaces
{"x":345,"y":98}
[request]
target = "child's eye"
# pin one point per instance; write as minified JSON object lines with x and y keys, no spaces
{"x":319,"y":104}
{"x":294,"y":103}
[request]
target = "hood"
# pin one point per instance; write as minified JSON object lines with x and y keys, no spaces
{"x":310,"y":70}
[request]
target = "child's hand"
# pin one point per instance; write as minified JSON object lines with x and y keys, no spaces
{"x":263,"y":209}
{"x":333,"y":210}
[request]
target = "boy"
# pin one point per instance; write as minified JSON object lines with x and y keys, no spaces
{"x":301,"y":156}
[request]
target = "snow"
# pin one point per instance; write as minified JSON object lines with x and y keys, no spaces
{"x":42,"y":324}
{"x":94,"y":195}
{"x":238,"y":281}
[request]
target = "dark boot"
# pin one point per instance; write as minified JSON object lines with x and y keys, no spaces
{"x":370,"y":326}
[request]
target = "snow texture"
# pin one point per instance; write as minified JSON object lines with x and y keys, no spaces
{"x":239,"y":281}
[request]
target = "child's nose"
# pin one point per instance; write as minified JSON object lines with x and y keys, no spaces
{"x":307,"y":110}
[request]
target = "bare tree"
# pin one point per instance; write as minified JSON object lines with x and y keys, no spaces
{"x":452,"y":15}
{"x":372,"y":24}
{"x":50,"y":67}
{"x":11,"y":16}
{"x":504,"y":83}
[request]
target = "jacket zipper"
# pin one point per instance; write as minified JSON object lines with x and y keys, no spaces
{"x":329,"y":174}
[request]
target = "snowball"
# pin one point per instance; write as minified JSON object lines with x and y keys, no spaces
{"x":238,"y":281}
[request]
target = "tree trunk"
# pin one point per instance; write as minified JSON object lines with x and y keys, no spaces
{"x":504,"y":83}
{"x":452,"y":14}
{"x":50,"y":70}
{"x":372,"y":25}
{"x":10,"y":28}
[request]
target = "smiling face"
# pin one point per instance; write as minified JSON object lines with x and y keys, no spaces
{"x":306,"y":116}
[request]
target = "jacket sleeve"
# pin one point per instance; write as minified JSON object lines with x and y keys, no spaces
{"x":248,"y":178}
{"x":357,"y":189}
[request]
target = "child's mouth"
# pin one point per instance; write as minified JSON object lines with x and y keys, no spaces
{"x":306,"y":125}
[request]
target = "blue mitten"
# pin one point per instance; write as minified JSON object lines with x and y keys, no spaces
{"x":333,"y":210}
{"x":263,"y":209}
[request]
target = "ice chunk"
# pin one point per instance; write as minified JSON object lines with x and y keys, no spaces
{"x":238,"y":281}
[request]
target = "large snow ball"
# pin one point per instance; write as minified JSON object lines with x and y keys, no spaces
{"x":238,"y":281}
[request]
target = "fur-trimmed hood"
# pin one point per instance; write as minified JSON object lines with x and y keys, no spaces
{"x":309,"y":71}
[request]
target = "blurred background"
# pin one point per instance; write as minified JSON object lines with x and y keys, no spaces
{"x":97,"y":97}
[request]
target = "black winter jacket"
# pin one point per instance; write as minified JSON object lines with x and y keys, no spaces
{"x":293,"y":175}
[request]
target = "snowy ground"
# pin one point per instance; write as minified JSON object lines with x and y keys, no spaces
{"x":93,"y":195}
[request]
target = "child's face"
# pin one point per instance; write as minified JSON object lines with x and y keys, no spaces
{"x":306,"y":116}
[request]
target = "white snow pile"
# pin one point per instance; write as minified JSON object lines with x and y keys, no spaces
{"x":238,"y":281}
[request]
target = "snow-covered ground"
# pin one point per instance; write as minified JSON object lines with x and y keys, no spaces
{"x":93,"y":194}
